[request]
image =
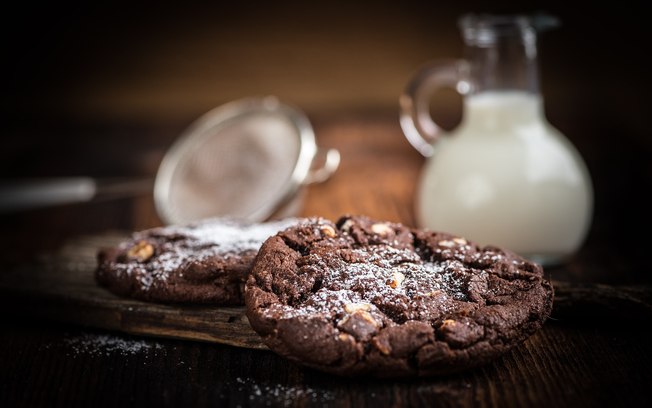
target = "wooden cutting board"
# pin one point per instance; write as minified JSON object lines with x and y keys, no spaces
{"x":61,"y":286}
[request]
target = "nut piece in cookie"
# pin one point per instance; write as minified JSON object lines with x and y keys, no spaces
{"x":204,"y":262}
{"x":141,"y":251}
{"x":376,"y":298}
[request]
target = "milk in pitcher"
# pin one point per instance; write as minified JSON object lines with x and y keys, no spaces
{"x":506,"y":177}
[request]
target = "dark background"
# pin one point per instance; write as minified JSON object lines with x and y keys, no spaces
{"x":147,"y":61}
{"x":102,"y":89}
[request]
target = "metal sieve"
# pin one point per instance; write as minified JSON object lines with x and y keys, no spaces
{"x":247,"y":159}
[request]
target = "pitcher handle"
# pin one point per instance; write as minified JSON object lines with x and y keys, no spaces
{"x":417,"y":124}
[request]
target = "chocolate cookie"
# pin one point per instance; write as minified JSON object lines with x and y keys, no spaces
{"x":377,"y":298}
{"x":205,"y":262}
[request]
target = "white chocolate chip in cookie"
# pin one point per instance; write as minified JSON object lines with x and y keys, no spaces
{"x":446,"y":243}
{"x":328,"y":231}
{"x":346,"y":227}
{"x":381,"y":229}
{"x":396,"y":280}
{"x":353,"y":307}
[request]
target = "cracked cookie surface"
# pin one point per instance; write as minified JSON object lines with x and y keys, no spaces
{"x":364,"y":297}
{"x":205,"y":262}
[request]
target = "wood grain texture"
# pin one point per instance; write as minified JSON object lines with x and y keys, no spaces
{"x":573,"y":361}
{"x":42,"y":367}
{"x":62,"y":287}
{"x":377,"y":175}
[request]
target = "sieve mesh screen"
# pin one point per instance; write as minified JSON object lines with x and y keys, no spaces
{"x":235,"y":168}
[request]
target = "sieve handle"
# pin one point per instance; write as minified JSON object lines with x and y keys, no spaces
{"x":19,"y":195}
{"x":328,"y":161}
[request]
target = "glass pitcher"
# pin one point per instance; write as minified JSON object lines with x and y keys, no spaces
{"x":504,"y":176}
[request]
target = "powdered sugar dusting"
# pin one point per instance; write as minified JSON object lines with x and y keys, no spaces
{"x":105,"y":344}
{"x":282,"y":395}
{"x":230,"y":236}
{"x":488,"y":257}
{"x":382,"y":274}
{"x":178,"y":246}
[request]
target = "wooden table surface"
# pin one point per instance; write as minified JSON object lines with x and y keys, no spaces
{"x":603,"y":361}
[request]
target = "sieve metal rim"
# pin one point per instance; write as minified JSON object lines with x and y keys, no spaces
{"x":213,"y":119}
